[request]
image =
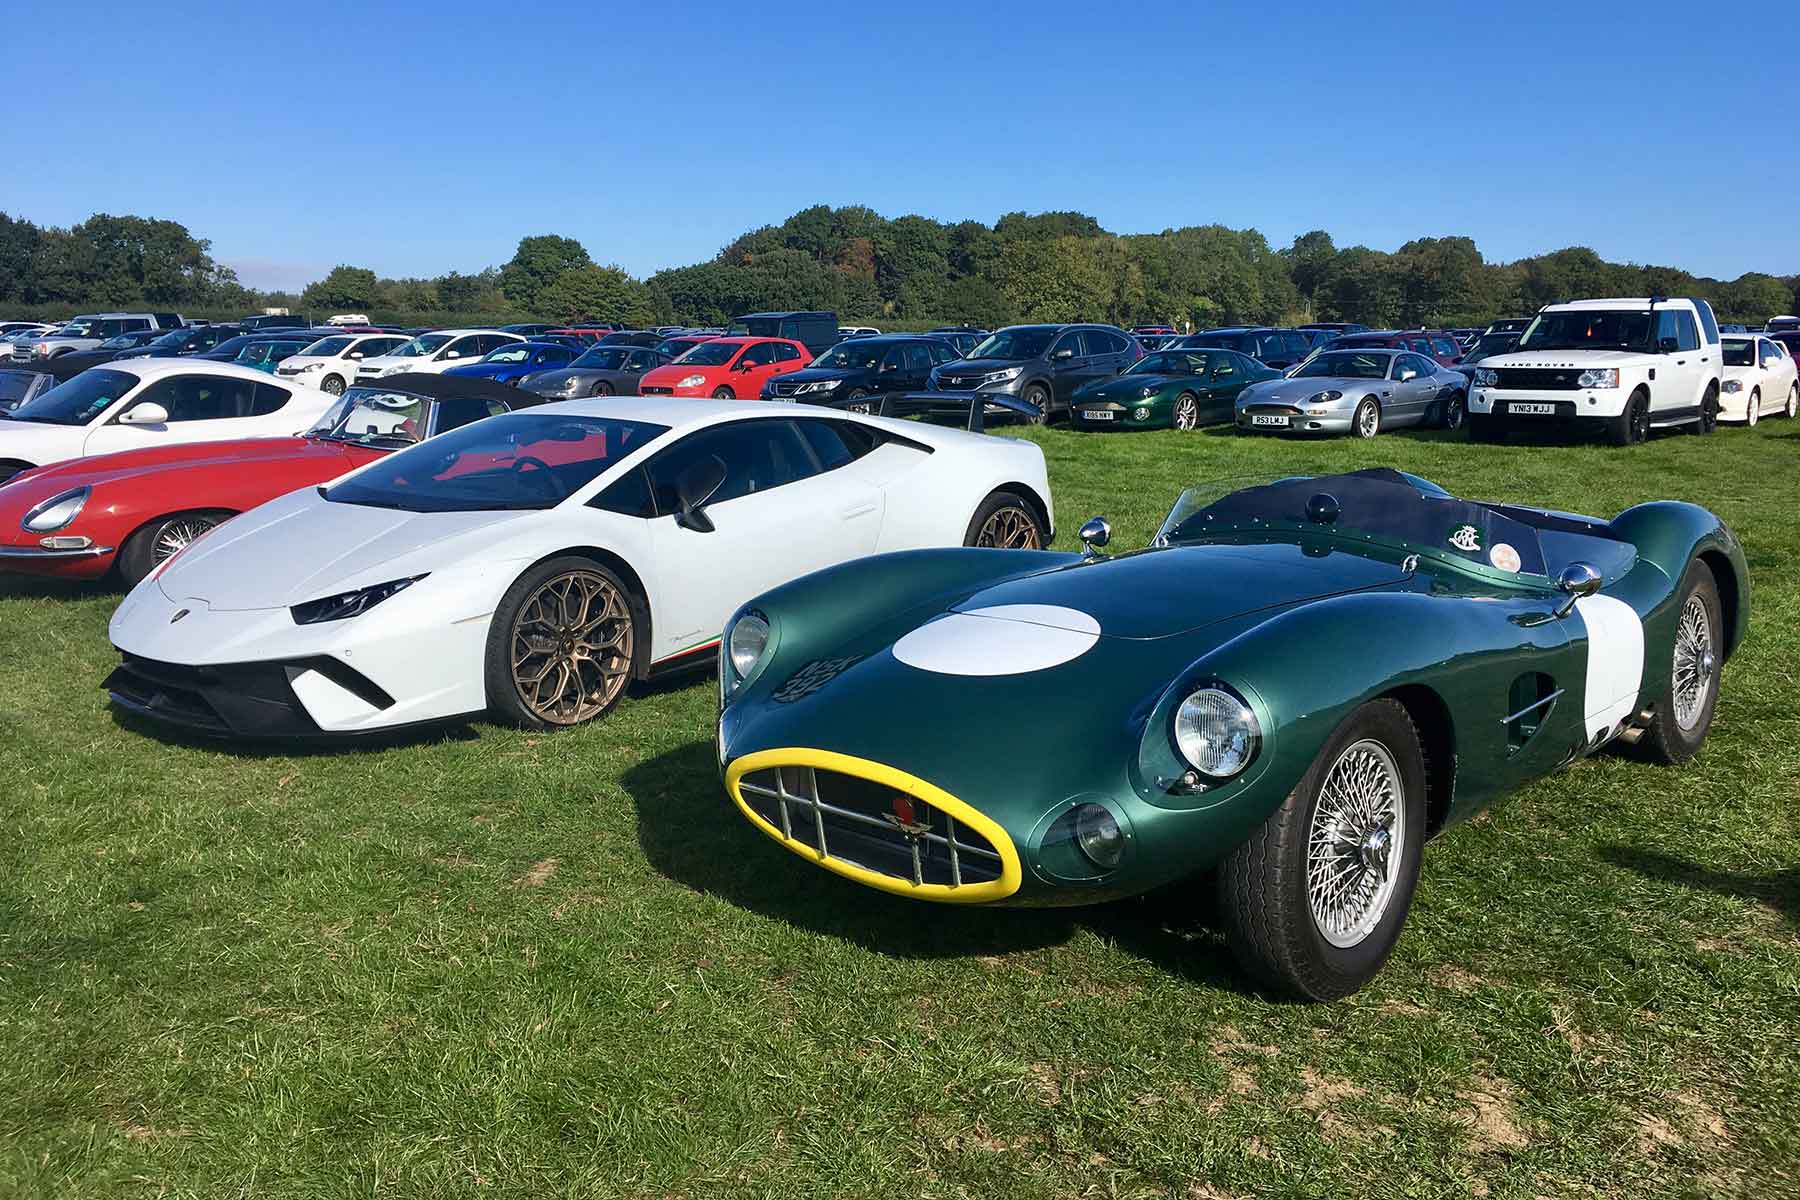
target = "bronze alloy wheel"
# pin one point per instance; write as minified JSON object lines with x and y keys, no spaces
{"x":1010,"y":527}
{"x":571,"y":647}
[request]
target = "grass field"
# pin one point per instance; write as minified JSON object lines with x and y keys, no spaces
{"x":503,"y":963}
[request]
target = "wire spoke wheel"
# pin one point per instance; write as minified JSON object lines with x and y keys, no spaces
{"x":174,"y":536}
{"x":1009,"y":528}
{"x":1695,"y":663}
{"x":572,"y":647}
{"x":1355,"y":843}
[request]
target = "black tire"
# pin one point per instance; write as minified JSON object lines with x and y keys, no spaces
{"x":723,"y":393}
{"x":1485,"y":427}
{"x":1263,"y":884}
{"x":1366,"y":423}
{"x":1793,"y":402}
{"x":332,"y":385}
{"x":151,"y":543}
{"x":517,"y":612}
{"x":1632,"y":425}
{"x":858,"y":402}
{"x":1709,"y":411}
{"x":1189,"y":404}
{"x":1752,"y":407}
{"x":1007,"y":521}
{"x":601,"y":388}
{"x":1452,"y":412}
{"x":1668,"y":738}
{"x":1039,"y":395}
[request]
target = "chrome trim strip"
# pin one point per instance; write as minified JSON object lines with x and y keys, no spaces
{"x":1530,"y":707}
{"x":40,"y":552}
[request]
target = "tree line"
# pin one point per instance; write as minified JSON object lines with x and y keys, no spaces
{"x":904,"y":271}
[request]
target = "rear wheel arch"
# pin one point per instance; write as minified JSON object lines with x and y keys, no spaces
{"x":640,"y":595}
{"x":1437,"y":736}
{"x":1030,"y":495}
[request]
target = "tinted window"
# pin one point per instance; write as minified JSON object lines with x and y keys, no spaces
{"x":1666,"y":331}
{"x":1225,"y":368}
{"x":786,"y":353}
{"x":629,"y":496}
{"x":837,"y":442}
{"x":1444,"y":345}
{"x":1688,"y":333}
{"x":77,"y":401}
{"x":759,"y":355}
{"x":269,"y":399}
{"x":918,"y":358}
{"x":201,"y":398}
{"x":1071,"y":342}
{"x":462,"y":410}
{"x":941,"y":353}
{"x":756,"y":455}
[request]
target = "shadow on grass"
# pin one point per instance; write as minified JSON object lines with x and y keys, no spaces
{"x":692,"y":834}
{"x":31,"y":587}
{"x":1779,"y":890}
{"x":321,"y":746}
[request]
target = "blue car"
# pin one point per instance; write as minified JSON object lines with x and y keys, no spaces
{"x":515,"y":360}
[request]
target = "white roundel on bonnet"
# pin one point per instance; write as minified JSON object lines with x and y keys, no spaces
{"x":1008,"y":639}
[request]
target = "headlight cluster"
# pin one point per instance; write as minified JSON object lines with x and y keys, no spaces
{"x":1486,"y":378}
{"x":1002,"y":376}
{"x":1731,"y":385}
{"x":345,"y":605}
{"x":1216,"y":732}
{"x":1098,"y":834}
{"x":746,"y":645}
{"x":1324,"y":397}
{"x":821,"y":385}
{"x":1607,"y":377}
{"x":311,"y":367}
{"x":57,"y":512}
{"x":691,"y":381}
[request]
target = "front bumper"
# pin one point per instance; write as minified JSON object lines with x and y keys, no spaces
{"x":1285,"y":418}
{"x":249,"y":700}
{"x":89,"y":563}
{"x":1589,"y":404}
{"x":1113,"y":414}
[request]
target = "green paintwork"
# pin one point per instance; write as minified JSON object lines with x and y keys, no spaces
{"x":1305,"y":622}
{"x":1154,"y":392}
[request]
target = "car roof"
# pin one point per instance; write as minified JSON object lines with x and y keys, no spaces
{"x":155,"y":368}
{"x":681,"y":413}
{"x":1615,"y":302}
{"x":449,"y":387}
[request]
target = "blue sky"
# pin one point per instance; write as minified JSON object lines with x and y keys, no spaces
{"x":416,"y":140}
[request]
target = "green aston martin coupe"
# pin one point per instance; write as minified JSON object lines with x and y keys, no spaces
{"x":1170,"y":389}
{"x":1298,"y":683}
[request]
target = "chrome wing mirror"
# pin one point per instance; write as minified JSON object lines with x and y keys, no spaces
{"x":1095,"y":533}
{"x":1578,"y":579}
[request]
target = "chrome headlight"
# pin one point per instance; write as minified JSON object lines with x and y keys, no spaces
{"x":1216,"y":732}
{"x":746,"y":645}
{"x":345,"y":605}
{"x":1002,"y":376}
{"x":1731,"y":385}
{"x":56,"y":512}
{"x":312,"y":367}
{"x":1324,"y":397}
{"x":1607,"y":377}
{"x":1098,"y":834}
{"x":1486,"y":378}
{"x":691,"y":381}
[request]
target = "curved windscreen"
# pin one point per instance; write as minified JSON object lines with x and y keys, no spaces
{"x":375,"y":416}
{"x":1379,"y":505}
{"x":79,"y":400}
{"x":1171,"y":362}
{"x":1010,"y":344}
{"x":1346,"y":364}
{"x":518,"y":461}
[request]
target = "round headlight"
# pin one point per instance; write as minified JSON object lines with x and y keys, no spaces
{"x":749,"y":638}
{"x":1216,"y":732}
{"x":1098,"y":834}
{"x":56,"y":512}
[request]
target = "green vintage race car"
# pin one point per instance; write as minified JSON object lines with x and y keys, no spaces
{"x":1298,"y":683}
{"x":1169,"y":389}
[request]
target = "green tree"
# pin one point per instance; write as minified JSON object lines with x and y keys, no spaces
{"x":343,"y":288}
{"x":597,"y":293}
{"x":18,"y":244}
{"x":539,"y":262}
{"x":1755,"y":297}
{"x":1309,"y":261}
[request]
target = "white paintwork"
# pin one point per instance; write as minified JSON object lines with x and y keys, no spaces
{"x":1006,"y":639}
{"x":459,"y":351}
{"x":1770,"y":378}
{"x":314,"y":369}
{"x":1615,"y":665}
{"x":1680,"y":378}
{"x":40,"y":443}
{"x":425,"y":646}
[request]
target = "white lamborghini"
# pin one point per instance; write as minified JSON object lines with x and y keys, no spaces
{"x":533,"y":564}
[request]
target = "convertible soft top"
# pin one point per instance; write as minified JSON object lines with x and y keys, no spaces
{"x":452,"y":387}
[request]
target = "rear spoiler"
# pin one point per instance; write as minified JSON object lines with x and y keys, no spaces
{"x":970,"y":408}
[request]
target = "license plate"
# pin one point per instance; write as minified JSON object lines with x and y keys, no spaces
{"x":1096,"y":415}
{"x":1534,"y":410}
{"x":1268,"y":419}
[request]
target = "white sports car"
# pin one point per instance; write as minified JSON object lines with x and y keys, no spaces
{"x":533,"y":564}
{"x":144,"y":402}
{"x":1759,"y":378}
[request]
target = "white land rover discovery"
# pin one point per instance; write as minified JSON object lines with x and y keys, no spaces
{"x":1623,"y":366}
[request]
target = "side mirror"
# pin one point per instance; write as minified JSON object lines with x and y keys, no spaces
{"x":354,"y":354}
{"x":451,"y":354}
{"x":1407,"y":374}
{"x":1668,"y":345}
{"x":694,"y":488}
{"x":147,"y":413}
{"x":1062,"y":354}
{"x":1095,"y":533}
{"x":1578,"y":579}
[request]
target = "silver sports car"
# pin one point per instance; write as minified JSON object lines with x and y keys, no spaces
{"x":1355,"y":391}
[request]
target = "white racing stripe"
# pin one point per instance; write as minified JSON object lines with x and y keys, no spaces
{"x":1615,"y":664}
{"x":1010,"y":639}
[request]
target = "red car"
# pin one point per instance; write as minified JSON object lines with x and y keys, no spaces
{"x":1439,"y":345}
{"x":87,"y":517}
{"x":726,"y":368}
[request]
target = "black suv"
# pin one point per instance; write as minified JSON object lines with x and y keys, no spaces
{"x":273,"y":321}
{"x":179,"y":343}
{"x":1277,"y":348}
{"x":857,"y":373}
{"x":1040,"y":364}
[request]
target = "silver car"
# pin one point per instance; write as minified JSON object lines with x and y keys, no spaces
{"x":1355,"y":391}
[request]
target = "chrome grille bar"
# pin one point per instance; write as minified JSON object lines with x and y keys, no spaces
{"x":819,"y":807}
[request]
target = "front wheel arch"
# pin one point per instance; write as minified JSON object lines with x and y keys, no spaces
{"x":129,"y":544}
{"x":1437,"y":736}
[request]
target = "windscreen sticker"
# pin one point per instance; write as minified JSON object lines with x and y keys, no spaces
{"x":1504,"y":557}
{"x":1466,"y":538}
